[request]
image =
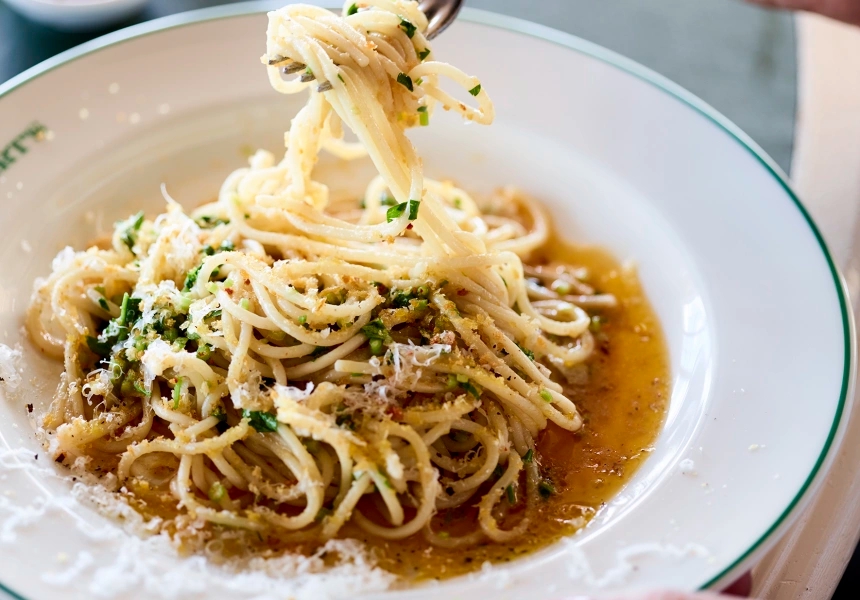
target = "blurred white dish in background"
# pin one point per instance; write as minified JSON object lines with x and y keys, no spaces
{"x":77,"y":15}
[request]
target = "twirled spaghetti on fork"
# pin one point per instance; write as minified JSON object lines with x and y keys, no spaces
{"x":282,"y":361}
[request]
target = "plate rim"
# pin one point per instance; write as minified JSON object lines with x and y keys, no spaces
{"x":606,"y":56}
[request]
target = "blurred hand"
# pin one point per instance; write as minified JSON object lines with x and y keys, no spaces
{"x":843,"y":10}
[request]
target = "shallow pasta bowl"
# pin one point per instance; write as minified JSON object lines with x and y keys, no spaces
{"x":753,"y":309}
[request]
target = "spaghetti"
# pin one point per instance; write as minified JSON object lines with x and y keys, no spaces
{"x":288,"y":364}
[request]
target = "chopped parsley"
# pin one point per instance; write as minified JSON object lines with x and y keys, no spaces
{"x":408,"y":27}
{"x":546,"y":395}
{"x":191,"y":278}
{"x":406,"y":81}
{"x":177,"y":393}
{"x":103,"y":303}
{"x":352,"y":10}
{"x":512,"y":494}
{"x":546,"y":488}
{"x":204,"y":352}
{"x":217,"y":492}
{"x":529,"y":456}
{"x":424,"y":54}
{"x":129,"y":312}
{"x":527,"y":352}
{"x":470,"y":388}
{"x":395,"y":212}
{"x":475,"y":90}
{"x":129,"y":234}
{"x":99,"y":347}
{"x":208,"y":221}
{"x":261,"y":421}
{"x":377,"y":336}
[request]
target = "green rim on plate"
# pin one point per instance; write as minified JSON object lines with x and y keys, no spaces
{"x":583,"y":47}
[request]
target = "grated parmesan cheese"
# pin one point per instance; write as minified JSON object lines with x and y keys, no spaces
{"x":10,"y":366}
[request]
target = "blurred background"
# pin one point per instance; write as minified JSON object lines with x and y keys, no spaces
{"x":792,"y":83}
{"x":739,"y":58}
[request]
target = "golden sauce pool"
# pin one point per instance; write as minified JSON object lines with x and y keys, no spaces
{"x":623,"y":402}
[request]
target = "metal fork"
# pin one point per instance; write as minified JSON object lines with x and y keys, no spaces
{"x":440,"y":14}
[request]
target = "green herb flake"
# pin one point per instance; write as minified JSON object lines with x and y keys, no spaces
{"x":512,"y":495}
{"x":527,"y":352}
{"x":352,"y":10}
{"x":546,"y":489}
{"x":98,"y":347}
{"x":414,"y":205}
{"x":408,"y":27}
{"x":191,"y":278}
{"x":128,"y":236}
{"x":546,"y":395}
{"x":103,"y":303}
{"x":177,"y":393}
{"x":424,"y":54}
{"x":217,"y":492}
{"x":529,"y":456}
{"x":475,"y":90}
{"x":406,"y":81}
{"x":470,"y":388}
{"x":139,"y":387}
{"x":204,"y":352}
{"x":423,"y":117}
{"x":303,"y":319}
{"x":341,"y":78}
{"x":261,"y":421}
{"x":395,"y":212}
{"x":129,"y":311}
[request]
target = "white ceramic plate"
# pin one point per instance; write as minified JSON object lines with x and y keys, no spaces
{"x":752,"y":306}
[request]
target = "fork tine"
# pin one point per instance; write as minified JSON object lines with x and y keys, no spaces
{"x":294,"y":68}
